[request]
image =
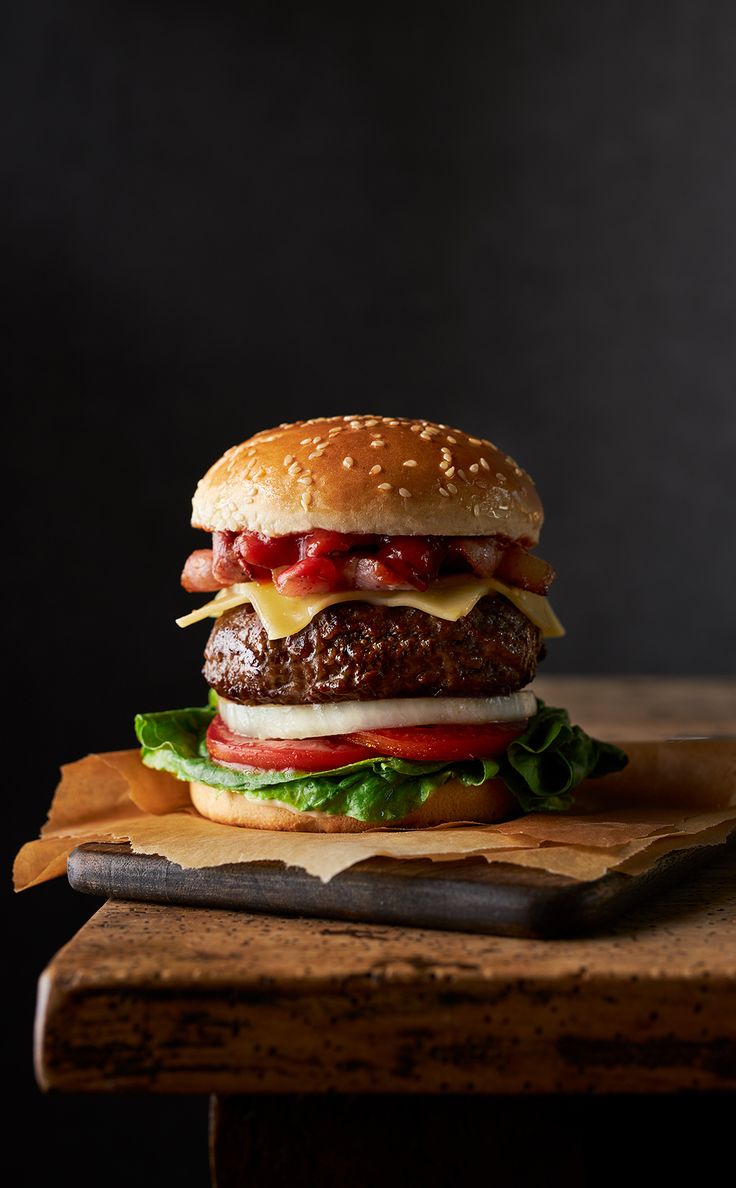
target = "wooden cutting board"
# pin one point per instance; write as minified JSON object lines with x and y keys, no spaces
{"x":470,"y":895}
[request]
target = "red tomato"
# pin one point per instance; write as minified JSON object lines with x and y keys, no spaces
{"x":269,"y":552}
{"x":441,"y":743}
{"x":277,"y":754}
{"x":414,"y":558}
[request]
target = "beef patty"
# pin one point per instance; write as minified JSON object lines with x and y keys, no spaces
{"x":355,"y":652}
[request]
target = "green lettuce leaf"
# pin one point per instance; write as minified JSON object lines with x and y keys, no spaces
{"x":541,"y":767}
{"x":544,"y":765}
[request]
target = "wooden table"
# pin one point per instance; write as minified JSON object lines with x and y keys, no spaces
{"x":254,"y":1009}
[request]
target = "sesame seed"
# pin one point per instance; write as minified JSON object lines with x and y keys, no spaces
{"x":417,"y":428}
{"x":476,"y":509}
{"x":370,"y":424}
{"x":452,"y":488}
{"x":444,"y":492}
{"x":316,"y":439}
{"x":384,"y":487}
{"x":452,"y":440}
{"x":518,"y":471}
{"x":484,"y":464}
{"x":503,"y":507}
{"x":334,"y":432}
{"x":347,"y":462}
{"x":462,"y":474}
{"x":432,"y":430}
{"x":391,"y":424}
{"x":410,"y":462}
{"x":375,"y":470}
{"x":295,"y":468}
{"x":376,"y":443}
{"x":444,"y":463}
{"x":445,"y":452}
{"x":450,"y":472}
{"x":288,"y":459}
{"x":474,"y":468}
{"x":475,"y":441}
{"x":404,"y":493}
{"x":306,"y":480}
{"x":306,"y":499}
{"x":355,"y":424}
{"x":305,"y":441}
{"x":313,"y":455}
{"x":425,"y":436}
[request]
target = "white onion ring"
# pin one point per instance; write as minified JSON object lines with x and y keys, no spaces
{"x":344,"y":717}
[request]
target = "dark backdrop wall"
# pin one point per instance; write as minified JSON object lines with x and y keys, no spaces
{"x":516,"y":217}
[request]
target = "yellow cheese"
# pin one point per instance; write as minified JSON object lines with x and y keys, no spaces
{"x":450,"y":598}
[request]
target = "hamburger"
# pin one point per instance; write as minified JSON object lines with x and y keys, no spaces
{"x":379,"y":615}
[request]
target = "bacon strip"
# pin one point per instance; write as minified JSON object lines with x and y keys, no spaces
{"x":482,"y":553}
{"x":227,"y":566}
{"x":320,"y":561}
{"x":522,"y":569}
{"x":197,"y":576}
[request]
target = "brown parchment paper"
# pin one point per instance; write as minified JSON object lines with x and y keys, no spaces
{"x":672,"y":794}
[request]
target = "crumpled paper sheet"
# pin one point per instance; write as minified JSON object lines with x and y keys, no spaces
{"x":672,"y":794}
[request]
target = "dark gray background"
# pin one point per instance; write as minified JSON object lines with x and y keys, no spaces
{"x":516,"y":217}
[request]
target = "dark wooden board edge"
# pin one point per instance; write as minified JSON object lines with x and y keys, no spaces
{"x":467,"y":896}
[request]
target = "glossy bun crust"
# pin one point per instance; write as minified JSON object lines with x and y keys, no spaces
{"x":488,"y":803}
{"x":368,"y":474}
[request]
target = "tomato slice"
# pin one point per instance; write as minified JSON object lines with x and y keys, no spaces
{"x":435,"y":743}
{"x":279,"y":754}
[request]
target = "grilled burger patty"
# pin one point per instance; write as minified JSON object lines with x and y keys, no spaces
{"x":355,"y":651}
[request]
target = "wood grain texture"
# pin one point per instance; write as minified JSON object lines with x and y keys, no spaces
{"x":470,"y":895}
{"x":174,"y":999}
{"x":641,"y":707}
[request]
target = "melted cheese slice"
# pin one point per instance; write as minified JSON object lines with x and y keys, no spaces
{"x":451,"y":599}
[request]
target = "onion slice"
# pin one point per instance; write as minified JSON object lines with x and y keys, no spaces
{"x":345,"y":717}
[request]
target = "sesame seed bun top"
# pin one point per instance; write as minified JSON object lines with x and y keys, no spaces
{"x":386,"y":475}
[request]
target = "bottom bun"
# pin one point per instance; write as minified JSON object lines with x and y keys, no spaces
{"x":454,"y":801}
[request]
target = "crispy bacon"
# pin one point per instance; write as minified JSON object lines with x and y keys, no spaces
{"x":320,"y":543}
{"x":197,"y":576}
{"x":318,"y":562}
{"x":226,"y":565}
{"x":313,"y":575}
{"x":482,"y":553}
{"x":371,"y":573}
{"x":522,"y":569}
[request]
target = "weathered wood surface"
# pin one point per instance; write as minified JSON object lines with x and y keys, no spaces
{"x":158,"y":998}
{"x":641,"y":707}
{"x":469,"y":895}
